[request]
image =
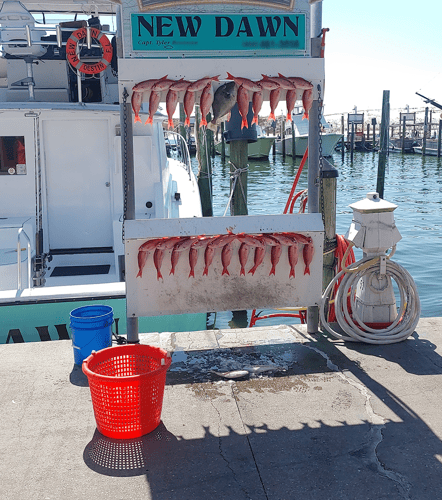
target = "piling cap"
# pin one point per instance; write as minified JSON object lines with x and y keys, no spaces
{"x":373,"y":204}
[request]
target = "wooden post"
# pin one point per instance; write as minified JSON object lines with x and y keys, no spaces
{"x":343,"y":140}
{"x":352,"y":142}
{"x":293,"y":141}
{"x":329,"y":184}
{"x":283,"y":139}
{"x":439,"y":134}
{"x":374,"y":135}
{"x":204,"y":166}
{"x":424,"y":139}
{"x":383,"y":148}
{"x":182,"y":119}
{"x":238,"y":160}
{"x":223,"y":144}
{"x":403,"y":135}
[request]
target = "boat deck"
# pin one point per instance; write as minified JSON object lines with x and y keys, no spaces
{"x":335,"y":421}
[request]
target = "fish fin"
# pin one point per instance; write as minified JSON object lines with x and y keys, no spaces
{"x":216,"y":78}
{"x":252,"y":270}
{"x":305,"y":115}
{"x":264,"y":77}
{"x":137,"y":119}
{"x":229,"y":76}
{"x":206,"y":271}
{"x":242,"y":272}
{"x":272,"y":271}
{"x":149,"y":121}
{"x":203,"y":122}
{"x":292,"y":273}
{"x":192,"y":274}
{"x":163,"y":77}
{"x":282,"y":76}
{"x":225,"y":271}
{"x":255,"y":120}
{"x":272,"y":116}
{"x":159,"y":275}
{"x":307,"y":270}
{"x":289,"y":117}
{"x":140,"y":274}
{"x":244,"y":123}
{"x":172,"y":271}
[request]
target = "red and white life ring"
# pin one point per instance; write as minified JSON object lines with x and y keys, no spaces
{"x":88,"y":68}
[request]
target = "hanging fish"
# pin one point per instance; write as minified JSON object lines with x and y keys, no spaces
{"x":226,"y":257}
{"x":164,"y":84}
{"x":245,"y":82}
{"x":147,"y":84}
{"x":299,"y":83}
{"x":290,"y":100}
{"x":205,"y":103}
{"x":268,"y":84}
{"x":223,"y":101}
{"x":154,"y":101}
{"x":201,"y":83}
{"x":293,"y":258}
{"x":258,"y":259}
{"x":158,"y":260}
{"x":178,"y":248}
{"x":274,"y":257}
{"x":209,"y":252}
{"x":180,"y":85}
{"x":243,"y":105}
{"x":282,"y":81}
{"x":136,"y":100}
{"x":171,"y":103}
{"x":274,"y":100}
{"x":243,"y":254}
{"x":193,"y":258}
{"x":189,"y":102}
{"x":257,"y":100}
{"x":143,"y":253}
{"x":307,"y":101}
{"x":307,"y":253}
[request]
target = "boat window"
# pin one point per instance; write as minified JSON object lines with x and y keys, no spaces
{"x":12,"y":155}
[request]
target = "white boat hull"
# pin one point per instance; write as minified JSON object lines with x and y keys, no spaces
{"x":256,"y":150}
{"x":329,"y":142}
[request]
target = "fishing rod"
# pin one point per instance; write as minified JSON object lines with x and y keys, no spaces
{"x":430,"y":101}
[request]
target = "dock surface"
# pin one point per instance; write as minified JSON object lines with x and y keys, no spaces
{"x":314,"y":419}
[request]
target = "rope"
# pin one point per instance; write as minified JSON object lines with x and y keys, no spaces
{"x":355,"y":330}
{"x":235,"y":176}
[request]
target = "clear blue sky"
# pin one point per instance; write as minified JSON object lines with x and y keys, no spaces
{"x":381,"y":45}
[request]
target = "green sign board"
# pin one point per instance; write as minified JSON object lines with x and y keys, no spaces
{"x":266,"y":34}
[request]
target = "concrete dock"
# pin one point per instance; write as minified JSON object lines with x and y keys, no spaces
{"x":314,"y":419}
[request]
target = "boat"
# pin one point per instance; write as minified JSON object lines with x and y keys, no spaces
{"x":64,"y":177}
{"x":430,"y":148}
{"x":397,"y":143}
{"x":258,"y":150}
{"x":329,"y":139}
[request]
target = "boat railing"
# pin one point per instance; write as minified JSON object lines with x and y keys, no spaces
{"x":21,"y":232}
{"x":176,"y":147}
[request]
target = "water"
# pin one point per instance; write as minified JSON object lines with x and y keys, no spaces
{"x":412,"y":182}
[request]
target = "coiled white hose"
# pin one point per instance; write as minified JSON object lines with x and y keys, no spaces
{"x":348,"y":320}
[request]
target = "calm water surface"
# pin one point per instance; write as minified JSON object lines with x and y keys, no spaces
{"x":412,"y":182}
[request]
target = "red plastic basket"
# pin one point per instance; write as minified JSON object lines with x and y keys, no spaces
{"x":127,"y":387}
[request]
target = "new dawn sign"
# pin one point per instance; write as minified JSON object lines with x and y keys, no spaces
{"x":211,"y":35}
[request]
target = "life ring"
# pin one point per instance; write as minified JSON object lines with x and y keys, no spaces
{"x":87,"y":68}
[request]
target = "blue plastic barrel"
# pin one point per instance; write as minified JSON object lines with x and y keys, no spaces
{"x":91,"y":330}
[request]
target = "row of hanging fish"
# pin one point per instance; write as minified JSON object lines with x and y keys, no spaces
{"x":226,"y":242}
{"x":238,"y":90}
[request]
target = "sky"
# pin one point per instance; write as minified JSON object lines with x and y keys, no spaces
{"x":381,"y":45}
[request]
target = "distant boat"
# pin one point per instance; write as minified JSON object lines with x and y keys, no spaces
{"x":257,"y":150}
{"x":430,"y":148}
{"x":329,"y":139}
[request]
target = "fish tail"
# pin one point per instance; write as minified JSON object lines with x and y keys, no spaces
{"x":244,"y":123}
{"x":305,"y":115}
{"x":242,"y":272}
{"x":225,"y":271}
{"x":192,"y":274}
{"x":292,"y":273}
{"x":272,"y":271}
{"x":159,"y":275}
{"x":289,"y":117}
{"x":172,"y":271}
{"x":255,"y":120}
{"x":203,"y":122}
{"x":137,"y":119}
{"x":216,"y":78}
{"x":272,"y":116}
{"x":170,"y":123}
{"x":206,"y":271}
{"x":140,"y":274}
{"x":229,"y":76}
{"x":187,"y":122}
{"x":149,"y":121}
{"x":252,"y":270}
{"x":307,"y":270}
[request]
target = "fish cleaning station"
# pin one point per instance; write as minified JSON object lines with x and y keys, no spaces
{"x":343,"y":405}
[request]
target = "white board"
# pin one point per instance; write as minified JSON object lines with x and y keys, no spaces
{"x":178,"y":293}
